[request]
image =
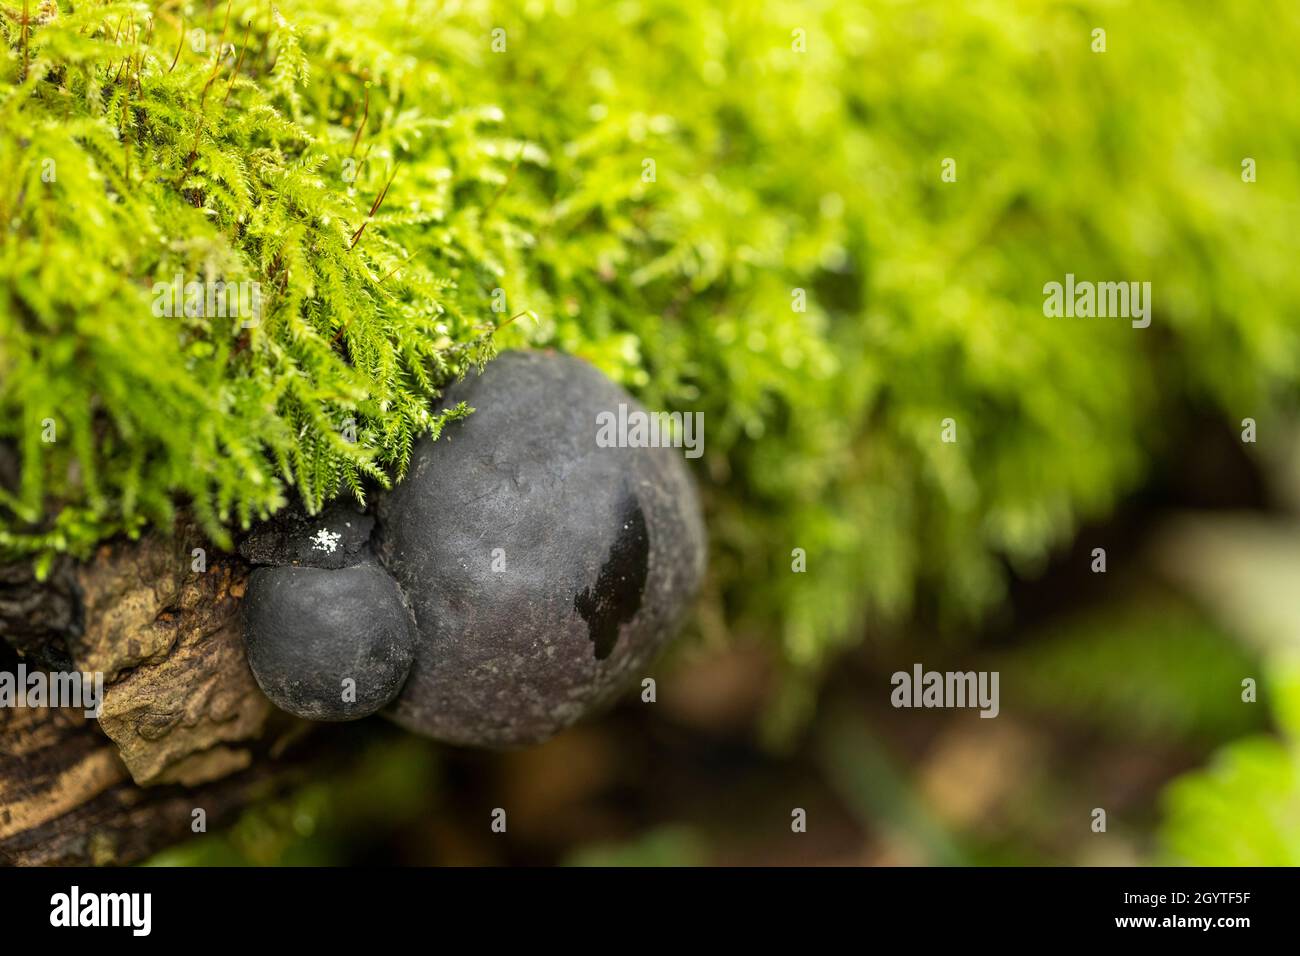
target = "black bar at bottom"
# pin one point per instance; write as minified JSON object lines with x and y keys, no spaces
{"x":325,"y":907}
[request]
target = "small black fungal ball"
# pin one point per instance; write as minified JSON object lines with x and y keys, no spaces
{"x":327,"y":644}
{"x":545,"y":571}
{"x":338,"y":537}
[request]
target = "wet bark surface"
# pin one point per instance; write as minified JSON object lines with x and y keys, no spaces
{"x":183,"y":726}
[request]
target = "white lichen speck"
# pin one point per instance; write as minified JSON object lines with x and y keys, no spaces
{"x":325,"y":540}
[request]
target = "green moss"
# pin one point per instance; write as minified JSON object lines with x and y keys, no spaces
{"x":775,"y":170}
{"x":131,"y":172}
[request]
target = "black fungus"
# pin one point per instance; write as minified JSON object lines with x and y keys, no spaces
{"x":522,"y":575}
{"x":545,"y":571}
{"x":327,"y":644}
{"x":616,"y":596}
{"x":336,"y":538}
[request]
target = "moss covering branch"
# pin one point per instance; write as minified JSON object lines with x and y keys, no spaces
{"x":732,"y":207}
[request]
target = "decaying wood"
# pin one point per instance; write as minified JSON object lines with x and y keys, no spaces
{"x":183,"y":724}
{"x":167,"y":639}
{"x":66,"y":798}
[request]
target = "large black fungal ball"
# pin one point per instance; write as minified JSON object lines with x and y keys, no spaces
{"x":544,"y":568}
{"x":327,"y":644}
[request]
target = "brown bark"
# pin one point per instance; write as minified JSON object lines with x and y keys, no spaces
{"x":183,"y":726}
{"x":66,"y":797}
